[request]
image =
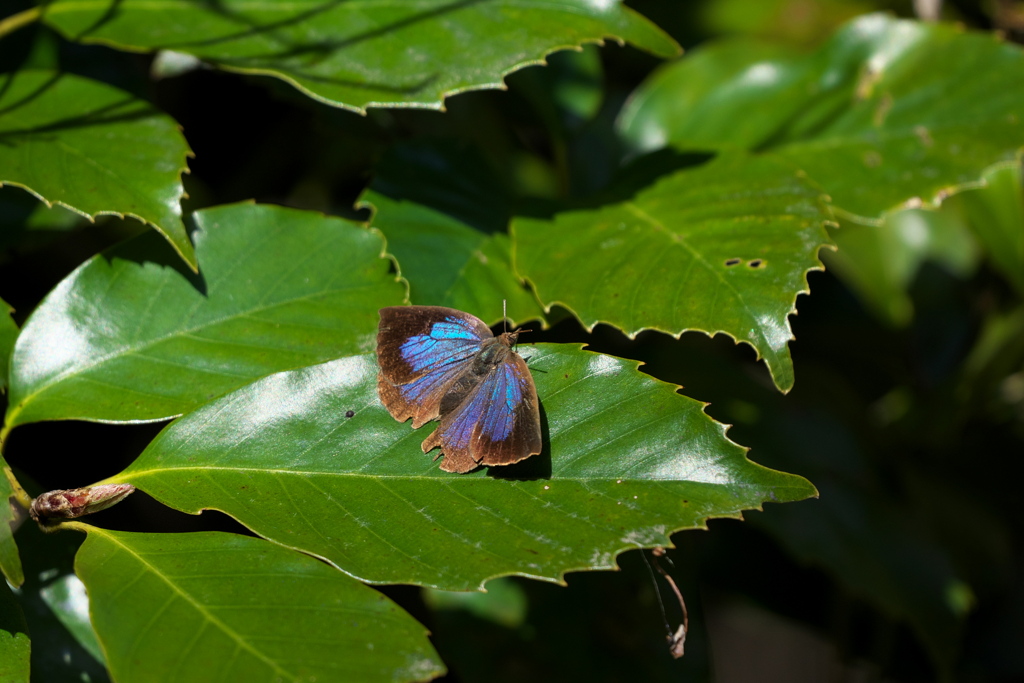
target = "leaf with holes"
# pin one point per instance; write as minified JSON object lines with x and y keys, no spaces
{"x":93,"y":149}
{"x":724,"y":247}
{"x":279,"y":288}
{"x":371,"y":53}
{"x":311,"y":459}
{"x":887,"y":112}
{"x":220,"y":607}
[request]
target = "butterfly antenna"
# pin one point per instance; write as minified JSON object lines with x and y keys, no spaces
{"x":504,"y":315}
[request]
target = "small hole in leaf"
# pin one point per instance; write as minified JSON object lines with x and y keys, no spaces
{"x":732,"y":262}
{"x":756,"y":263}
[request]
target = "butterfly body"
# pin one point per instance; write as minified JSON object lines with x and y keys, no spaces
{"x":438,"y":362}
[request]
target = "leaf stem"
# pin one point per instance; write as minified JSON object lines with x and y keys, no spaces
{"x":16,"y":21}
{"x":24,"y":500}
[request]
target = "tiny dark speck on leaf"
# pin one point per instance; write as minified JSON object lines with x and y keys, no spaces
{"x":686,"y":502}
{"x":756,"y":263}
{"x":732,"y":262}
{"x":567,"y":376}
{"x":349,"y":413}
{"x":531,"y":551}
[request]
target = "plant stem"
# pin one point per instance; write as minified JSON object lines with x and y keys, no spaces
{"x":16,"y":21}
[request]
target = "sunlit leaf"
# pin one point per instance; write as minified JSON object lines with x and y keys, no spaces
{"x":888,"y":113}
{"x":312,"y":460}
{"x":371,"y":53}
{"x":93,"y":149}
{"x":132,"y":336}
{"x":220,"y":607}
{"x":724,"y":247}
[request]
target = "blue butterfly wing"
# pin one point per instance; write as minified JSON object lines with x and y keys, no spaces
{"x":422,"y":351}
{"x":491,"y":421}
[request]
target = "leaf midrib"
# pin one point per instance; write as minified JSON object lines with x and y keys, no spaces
{"x":129,"y":475}
{"x":129,"y":350}
{"x":210,"y":618}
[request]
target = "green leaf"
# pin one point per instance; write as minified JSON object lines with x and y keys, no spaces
{"x":12,"y":514}
{"x":627,"y":461}
{"x":879,"y":262}
{"x":15,"y":645}
{"x":371,"y":53}
{"x":995,"y":213}
{"x":8,"y":333}
{"x":686,"y":103}
{"x":724,"y":247}
{"x":64,"y":646}
{"x":448,"y":263}
{"x":93,"y":149}
{"x":131,"y":336}
{"x":504,"y":603}
{"x":219,"y":607}
{"x":888,"y":113}
{"x":66,"y":597}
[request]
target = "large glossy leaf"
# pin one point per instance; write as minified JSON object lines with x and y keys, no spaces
{"x":724,"y":248}
{"x":448,"y":263}
{"x":221,"y":607}
{"x":887,"y":112}
{"x":129,"y":336}
{"x":360,"y":54}
{"x":12,"y":514}
{"x":93,"y":149}
{"x":626,"y":462}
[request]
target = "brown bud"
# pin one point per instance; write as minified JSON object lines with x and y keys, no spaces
{"x":72,"y":503}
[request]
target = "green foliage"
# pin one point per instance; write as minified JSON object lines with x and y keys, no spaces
{"x":606,"y":200}
{"x":93,"y":149}
{"x":886,"y":113}
{"x":357,"y":56}
{"x":741,"y":231}
{"x":282,"y":456}
{"x":10,"y":560}
{"x":15,"y":646}
{"x":278,"y":289}
{"x":226,"y":607}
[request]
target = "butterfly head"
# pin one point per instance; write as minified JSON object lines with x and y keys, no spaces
{"x":509,"y":338}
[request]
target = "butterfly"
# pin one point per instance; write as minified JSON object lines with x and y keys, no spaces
{"x":438,"y":362}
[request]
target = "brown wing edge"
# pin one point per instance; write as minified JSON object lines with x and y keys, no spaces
{"x":398,"y":323}
{"x":525,"y":441}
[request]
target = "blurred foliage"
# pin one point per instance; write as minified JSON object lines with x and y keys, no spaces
{"x":907,"y":411}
